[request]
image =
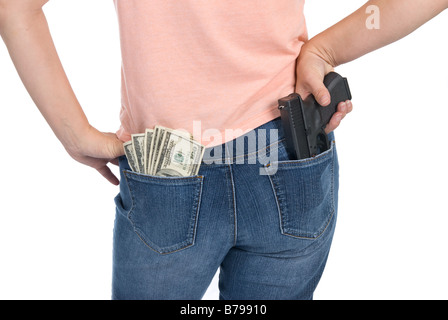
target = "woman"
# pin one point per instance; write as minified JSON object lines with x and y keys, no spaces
{"x":225,"y":65}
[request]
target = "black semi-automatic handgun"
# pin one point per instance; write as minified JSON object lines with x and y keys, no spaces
{"x":304,"y":121}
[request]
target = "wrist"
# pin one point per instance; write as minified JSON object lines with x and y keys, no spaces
{"x":320,"y":49}
{"x":73,"y":135}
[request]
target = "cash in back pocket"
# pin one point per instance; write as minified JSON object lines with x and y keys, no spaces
{"x":165,"y":210}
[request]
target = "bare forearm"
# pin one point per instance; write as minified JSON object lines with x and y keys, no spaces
{"x":351,"y":38}
{"x":28,"y":39}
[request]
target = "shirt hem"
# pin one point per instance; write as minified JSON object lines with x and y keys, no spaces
{"x":225,"y":135}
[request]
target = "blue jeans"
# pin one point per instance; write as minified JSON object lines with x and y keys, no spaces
{"x":270,"y":235}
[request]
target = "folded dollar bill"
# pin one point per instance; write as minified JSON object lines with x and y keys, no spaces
{"x":164,"y":152}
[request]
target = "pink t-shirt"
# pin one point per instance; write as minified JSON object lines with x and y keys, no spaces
{"x":215,"y":68}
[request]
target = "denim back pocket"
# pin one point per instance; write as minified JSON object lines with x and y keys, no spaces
{"x":304,"y":190}
{"x":164,"y":210}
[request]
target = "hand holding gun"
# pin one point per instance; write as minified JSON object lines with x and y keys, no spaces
{"x":304,"y":121}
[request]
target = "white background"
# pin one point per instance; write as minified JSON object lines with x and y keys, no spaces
{"x":56,"y":216}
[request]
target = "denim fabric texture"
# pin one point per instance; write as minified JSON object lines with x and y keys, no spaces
{"x":268,"y":234}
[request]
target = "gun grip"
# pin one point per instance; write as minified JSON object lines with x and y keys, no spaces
{"x":339,"y":92}
{"x":304,"y":121}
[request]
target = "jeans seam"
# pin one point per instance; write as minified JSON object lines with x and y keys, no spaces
{"x":128,"y":213}
{"x":235,"y":228}
{"x":276,"y":143}
{"x":278,"y":205}
{"x":143,"y":177}
{"x":318,"y":158}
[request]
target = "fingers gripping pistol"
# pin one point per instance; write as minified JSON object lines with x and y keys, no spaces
{"x":304,"y":121}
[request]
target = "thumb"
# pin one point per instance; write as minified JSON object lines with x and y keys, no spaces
{"x":319,"y":91}
{"x":114,"y":146}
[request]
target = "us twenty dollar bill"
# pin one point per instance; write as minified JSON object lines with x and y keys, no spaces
{"x":164,"y":152}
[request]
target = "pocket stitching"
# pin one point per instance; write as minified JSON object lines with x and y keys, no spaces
{"x":278,"y":194}
{"x":144,"y":177}
{"x":305,"y":162}
{"x":130,"y":193}
{"x":140,"y":178}
{"x":192,"y":230}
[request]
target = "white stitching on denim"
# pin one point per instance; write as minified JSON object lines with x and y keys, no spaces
{"x":255,"y":152}
{"x":233,"y":159}
{"x":278,"y":205}
{"x":332,"y":201}
{"x":320,"y":157}
{"x":130,"y":193}
{"x":141,"y":176}
{"x":198,"y":198}
{"x":235,"y":228}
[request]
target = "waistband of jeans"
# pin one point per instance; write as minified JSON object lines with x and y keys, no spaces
{"x":260,"y":140}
